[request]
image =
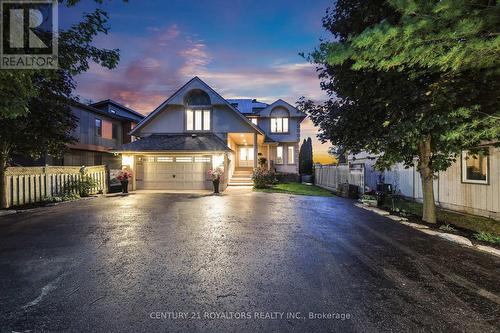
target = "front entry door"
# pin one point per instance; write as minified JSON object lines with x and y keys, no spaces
{"x":245,"y":159}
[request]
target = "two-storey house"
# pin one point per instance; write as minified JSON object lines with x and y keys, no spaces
{"x":196,"y":129}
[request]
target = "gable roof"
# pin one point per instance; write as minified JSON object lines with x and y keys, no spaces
{"x":95,"y":110}
{"x":153,"y":114}
{"x":285,"y":104}
{"x":115,"y":103}
{"x":176,"y":143}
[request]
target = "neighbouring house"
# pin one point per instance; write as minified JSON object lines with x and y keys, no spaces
{"x":471,"y":184}
{"x":196,"y":130}
{"x":101,"y":126}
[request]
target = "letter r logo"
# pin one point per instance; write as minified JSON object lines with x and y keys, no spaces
{"x":18,"y":28}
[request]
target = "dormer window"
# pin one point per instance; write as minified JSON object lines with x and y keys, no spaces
{"x":279,"y":120}
{"x":198,"y":112}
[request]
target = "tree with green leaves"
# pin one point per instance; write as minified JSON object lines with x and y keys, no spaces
{"x":35,"y":107}
{"x":447,"y":36}
{"x":418,"y":108}
{"x":301,"y":157}
{"x":16,"y":89}
{"x":306,"y":157}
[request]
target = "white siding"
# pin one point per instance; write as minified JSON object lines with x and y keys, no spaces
{"x":449,"y":190}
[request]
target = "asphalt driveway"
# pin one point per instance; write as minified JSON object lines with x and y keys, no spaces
{"x":244,"y":261}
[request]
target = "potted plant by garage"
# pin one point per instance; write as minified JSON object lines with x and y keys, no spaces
{"x":216,"y":176}
{"x":123,"y":177}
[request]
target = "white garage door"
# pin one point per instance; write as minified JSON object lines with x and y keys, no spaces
{"x":173,"y":172}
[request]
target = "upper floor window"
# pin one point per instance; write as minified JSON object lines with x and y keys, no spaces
{"x":279,"y":120}
{"x":475,"y":168}
{"x":254,"y":121}
{"x":98,"y":127}
{"x":279,"y":125}
{"x":198,"y":120}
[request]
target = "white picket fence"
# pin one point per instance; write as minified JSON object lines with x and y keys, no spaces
{"x":331,"y":176}
{"x":26,"y":185}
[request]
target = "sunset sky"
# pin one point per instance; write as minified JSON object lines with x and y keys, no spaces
{"x":242,"y":49}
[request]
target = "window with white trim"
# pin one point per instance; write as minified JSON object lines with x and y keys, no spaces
{"x":202,"y":159}
{"x":198,"y":120}
{"x":279,"y":125}
{"x":279,"y":155}
{"x":164,"y":159}
{"x":184,"y":159}
{"x":254,"y":121}
{"x":475,"y":168}
{"x":291,"y":155}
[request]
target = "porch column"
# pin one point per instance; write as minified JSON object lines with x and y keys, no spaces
{"x":268,"y":159}
{"x":255,"y":150}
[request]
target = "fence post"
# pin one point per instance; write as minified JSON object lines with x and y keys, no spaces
{"x":105,"y":189}
{"x":4,"y":199}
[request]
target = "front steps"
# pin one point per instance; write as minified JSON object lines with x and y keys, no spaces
{"x":241,"y":178}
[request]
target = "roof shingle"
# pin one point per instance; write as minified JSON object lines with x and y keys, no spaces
{"x":176,"y":142}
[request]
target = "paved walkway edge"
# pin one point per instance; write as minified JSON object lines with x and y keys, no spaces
{"x":425,"y":229}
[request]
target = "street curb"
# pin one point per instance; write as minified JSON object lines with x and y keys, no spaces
{"x":488,"y":249}
{"x":416,"y":225}
{"x":50,"y":204}
{"x":373,"y":209}
{"x":397,"y":218}
{"x":425,"y":229}
{"x":7,"y":212}
{"x":455,"y":239}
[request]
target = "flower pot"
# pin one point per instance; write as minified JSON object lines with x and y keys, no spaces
{"x":124,"y":186}
{"x":216,"y":183}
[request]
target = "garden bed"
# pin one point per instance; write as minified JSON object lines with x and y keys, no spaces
{"x":479,"y":229}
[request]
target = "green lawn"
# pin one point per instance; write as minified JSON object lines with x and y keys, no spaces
{"x":466,"y":221}
{"x":296,"y":188}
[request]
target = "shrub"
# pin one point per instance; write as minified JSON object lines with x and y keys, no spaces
{"x":262,"y":178}
{"x":284,"y":177}
{"x":83,"y":187}
{"x":262,"y":162}
{"x":61,"y":198}
{"x":368,"y":197}
{"x":447,"y":227}
{"x":487,"y":237}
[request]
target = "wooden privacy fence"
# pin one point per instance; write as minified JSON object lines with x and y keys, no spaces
{"x":332,"y":176}
{"x":26,"y":185}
